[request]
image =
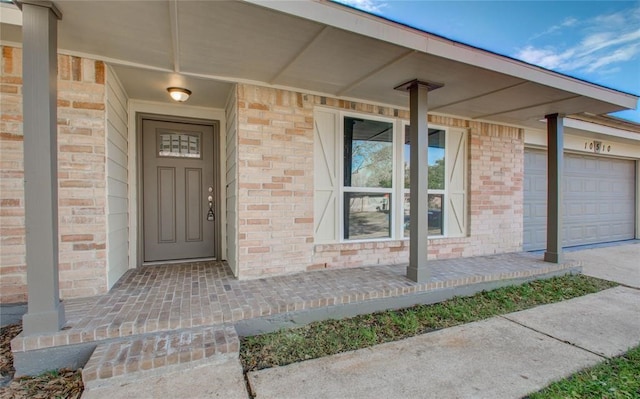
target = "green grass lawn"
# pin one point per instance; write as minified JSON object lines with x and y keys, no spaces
{"x":618,"y":378}
{"x":334,"y":336}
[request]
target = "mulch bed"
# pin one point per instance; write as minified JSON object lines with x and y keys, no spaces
{"x":63,"y":383}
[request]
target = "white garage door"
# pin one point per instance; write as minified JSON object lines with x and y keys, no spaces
{"x":599,"y":200}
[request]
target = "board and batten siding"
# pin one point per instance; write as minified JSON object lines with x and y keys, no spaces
{"x":117,"y":179}
{"x":456,"y":185}
{"x":326,"y":175}
{"x":231,"y":116}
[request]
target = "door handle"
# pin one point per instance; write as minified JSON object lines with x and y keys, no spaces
{"x":211,"y":216}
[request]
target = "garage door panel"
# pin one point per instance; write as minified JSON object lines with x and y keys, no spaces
{"x":619,"y":188}
{"x":607,"y":230}
{"x":605,"y":209}
{"x":572,"y":232}
{"x":586,"y":166}
{"x":539,"y":212}
{"x":540,"y":234}
{"x":589,"y":233}
{"x":572,"y":163}
{"x":574,"y":186}
{"x":621,"y":229}
{"x":574,"y":210}
{"x":590,"y":186}
{"x":599,"y":200}
{"x":606,"y":187}
{"x":589,"y":209}
{"x":540,"y":184}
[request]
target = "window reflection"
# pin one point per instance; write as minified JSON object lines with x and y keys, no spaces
{"x":435,"y":159}
{"x":435,"y":218}
{"x":367,"y":216}
{"x":368,"y":153}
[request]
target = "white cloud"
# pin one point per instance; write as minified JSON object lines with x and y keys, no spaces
{"x":546,"y":58}
{"x":620,"y":55}
{"x":568,"y":22}
{"x":603,"y":43}
{"x":373,"y":6}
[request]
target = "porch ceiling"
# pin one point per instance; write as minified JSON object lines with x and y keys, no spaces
{"x":323,"y":48}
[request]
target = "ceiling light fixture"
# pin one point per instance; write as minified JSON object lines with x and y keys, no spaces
{"x":179,"y":94}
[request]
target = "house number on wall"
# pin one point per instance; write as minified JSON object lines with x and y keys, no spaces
{"x":597,"y":146}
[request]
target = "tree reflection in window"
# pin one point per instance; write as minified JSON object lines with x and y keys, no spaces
{"x":368,"y":153}
{"x":436,"y":181}
{"x":368,"y":178}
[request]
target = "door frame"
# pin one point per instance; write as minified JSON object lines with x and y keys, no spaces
{"x":217,"y":167}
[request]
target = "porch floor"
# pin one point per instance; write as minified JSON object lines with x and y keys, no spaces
{"x":170,"y":297}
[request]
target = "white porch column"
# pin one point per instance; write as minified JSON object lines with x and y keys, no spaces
{"x":45,"y":312}
{"x":418,"y":270}
{"x":555,"y":171}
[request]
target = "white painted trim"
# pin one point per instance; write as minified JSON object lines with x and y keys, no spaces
{"x":342,"y":189}
{"x":602,"y":129}
{"x":397,"y":191}
{"x":9,"y":43}
{"x":10,"y":15}
{"x":620,"y":148}
{"x":401,"y":125}
{"x":175,"y":34}
{"x":180,"y":110}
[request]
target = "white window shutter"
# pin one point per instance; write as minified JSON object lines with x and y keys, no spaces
{"x":456,"y":160}
{"x":326,"y":152}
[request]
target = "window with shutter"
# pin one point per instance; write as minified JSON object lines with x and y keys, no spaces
{"x":456,"y":173}
{"x":326,"y":150}
{"x":361,"y":168}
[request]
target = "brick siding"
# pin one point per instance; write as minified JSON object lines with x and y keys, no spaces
{"x":275,"y":184}
{"x":276,"y":188}
{"x":81,"y":174}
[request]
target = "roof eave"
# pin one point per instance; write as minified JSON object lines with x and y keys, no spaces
{"x":341,"y":17}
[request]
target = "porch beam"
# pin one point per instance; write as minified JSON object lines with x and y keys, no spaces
{"x":555,"y":171}
{"x":45,"y":312}
{"x":418,"y":270}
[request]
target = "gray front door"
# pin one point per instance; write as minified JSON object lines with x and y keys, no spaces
{"x":178,"y":181}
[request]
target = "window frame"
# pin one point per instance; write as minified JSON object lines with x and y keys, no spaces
{"x":444,"y":192}
{"x":397,"y":190}
{"x":373,"y":190}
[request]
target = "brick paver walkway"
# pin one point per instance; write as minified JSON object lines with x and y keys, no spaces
{"x":178,"y":296}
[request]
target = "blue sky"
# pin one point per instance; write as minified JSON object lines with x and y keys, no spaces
{"x":598,"y":41}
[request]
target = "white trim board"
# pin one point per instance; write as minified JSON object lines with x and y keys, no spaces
{"x":613,"y":146}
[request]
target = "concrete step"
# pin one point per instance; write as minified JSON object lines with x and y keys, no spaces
{"x":158,"y":353}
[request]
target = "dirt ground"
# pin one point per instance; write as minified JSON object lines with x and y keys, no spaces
{"x":65,"y":384}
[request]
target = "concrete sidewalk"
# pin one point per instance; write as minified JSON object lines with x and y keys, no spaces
{"x":503,"y":357}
